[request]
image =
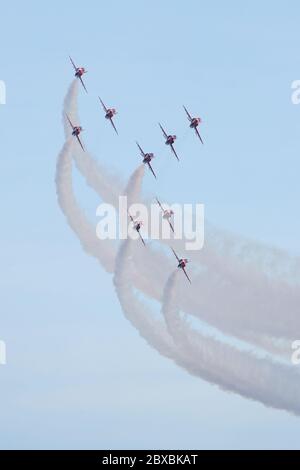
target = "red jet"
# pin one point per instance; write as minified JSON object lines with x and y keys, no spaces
{"x":79,"y":71}
{"x":147,"y":157}
{"x":170,"y":139}
{"x":137,"y":225}
{"x":167,"y":214}
{"x":109,"y":114}
{"x":194,"y":123}
{"x":76,"y":130}
{"x":182,"y":264}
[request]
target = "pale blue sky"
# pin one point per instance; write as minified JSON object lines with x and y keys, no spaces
{"x":78,"y":375}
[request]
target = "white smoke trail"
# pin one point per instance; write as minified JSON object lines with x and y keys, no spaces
{"x":75,"y":217}
{"x":263,"y":380}
{"x":155,"y":332}
{"x":234,"y":286}
{"x":137,"y":313}
{"x":259,"y":379}
{"x":236,"y":296}
{"x":221,"y":364}
{"x":133,"y":188}
{"x":107,"y":186}
{"x":132,"y":307}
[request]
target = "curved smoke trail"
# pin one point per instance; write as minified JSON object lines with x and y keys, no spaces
{"x":247,"y":290}
{"x":75,"y":217}
{"x":259,"y":379}
{"x":152,"y":265}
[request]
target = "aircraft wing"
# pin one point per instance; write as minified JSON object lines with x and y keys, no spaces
{"x":131,"y":218}
{"x":163,"y":131}
{"x":82,"y":83}
{"x":176,"y":255}
{"x":103,"y":105}
{"x":113,"y":124}
{"x":172,"y":228}
{"x":70,"y":121}
{"x":78,"y":138}
{"x":174,"y":151}
{"x":197,"y":132}
{"x":142,"y":152}
{"x":159,"y":204}
{"x":143,"y":241}
{"x":183,"y":269}
{"x":188,"y":114}
{"x":149,"y":165}
{"x":73,"y":63}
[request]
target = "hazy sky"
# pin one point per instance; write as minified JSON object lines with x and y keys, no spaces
{"x":78,"y":375}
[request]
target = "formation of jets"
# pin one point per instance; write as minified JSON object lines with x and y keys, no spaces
{"x":170,"y":139}
{"x":194,"y":122}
